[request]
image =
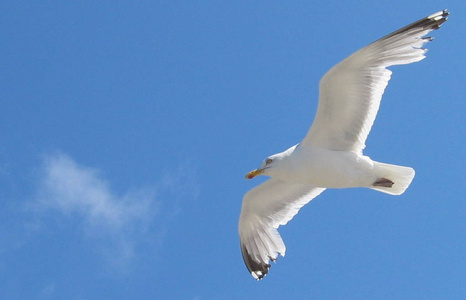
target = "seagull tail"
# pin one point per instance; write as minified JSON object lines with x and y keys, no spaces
{"x":392,"y":179}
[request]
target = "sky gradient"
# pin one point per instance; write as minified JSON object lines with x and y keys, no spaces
{"x":127,"y":129}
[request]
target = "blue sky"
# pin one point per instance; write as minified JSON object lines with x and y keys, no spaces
{"x":127,"y":129}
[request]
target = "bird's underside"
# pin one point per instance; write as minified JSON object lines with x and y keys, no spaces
{"x":349,"y":98}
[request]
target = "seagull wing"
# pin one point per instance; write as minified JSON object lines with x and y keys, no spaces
{"x":351,"y":91}
{"x":267,"y":206}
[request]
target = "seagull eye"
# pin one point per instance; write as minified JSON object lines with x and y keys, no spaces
{"x":268,"y":161}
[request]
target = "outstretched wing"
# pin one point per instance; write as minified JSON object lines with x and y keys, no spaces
{"x":267,"y":206}
{"x":351,"y":91}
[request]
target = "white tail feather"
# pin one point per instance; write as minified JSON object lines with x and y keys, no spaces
{"x":399,"y":175}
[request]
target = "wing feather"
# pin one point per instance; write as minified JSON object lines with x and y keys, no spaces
{"x":350,"y":92}
{"x":265,"y":208}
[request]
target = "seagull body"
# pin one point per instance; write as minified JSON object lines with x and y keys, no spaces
{"x":326,"y":168}
{"x":331,"y":154}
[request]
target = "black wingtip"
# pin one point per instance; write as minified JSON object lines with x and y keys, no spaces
{"x":439,"y":18}
{"x":432,"y":22}
{"x":258,"y":270}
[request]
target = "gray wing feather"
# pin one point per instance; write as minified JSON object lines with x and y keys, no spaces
{"x":350,"y":92}
{"x":265,"y":208}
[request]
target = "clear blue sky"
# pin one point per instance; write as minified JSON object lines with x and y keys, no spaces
{"x":127,"y":129}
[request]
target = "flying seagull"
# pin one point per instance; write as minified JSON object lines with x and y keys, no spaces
{"x":330,"y":155}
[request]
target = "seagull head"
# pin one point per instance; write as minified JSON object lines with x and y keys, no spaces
{"x":272,"y":163}
{"x":266,"y":164}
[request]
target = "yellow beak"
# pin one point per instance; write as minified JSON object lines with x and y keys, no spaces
{"x":254,"y":173}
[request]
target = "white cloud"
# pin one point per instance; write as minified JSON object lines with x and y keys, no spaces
{"x":76,"y":203}
{"x":114,"y":221}
{"x":74,"y":189}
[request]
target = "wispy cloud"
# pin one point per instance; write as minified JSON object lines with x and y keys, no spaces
{"x":181,"y":183}
{"x":74,"y":189}
{"x":113,"y":221}
{"x":120,"y":229}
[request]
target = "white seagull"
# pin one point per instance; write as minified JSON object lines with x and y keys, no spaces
{"x":330,"y":155}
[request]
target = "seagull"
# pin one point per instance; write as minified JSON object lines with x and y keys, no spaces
{"x":331,"y":154}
